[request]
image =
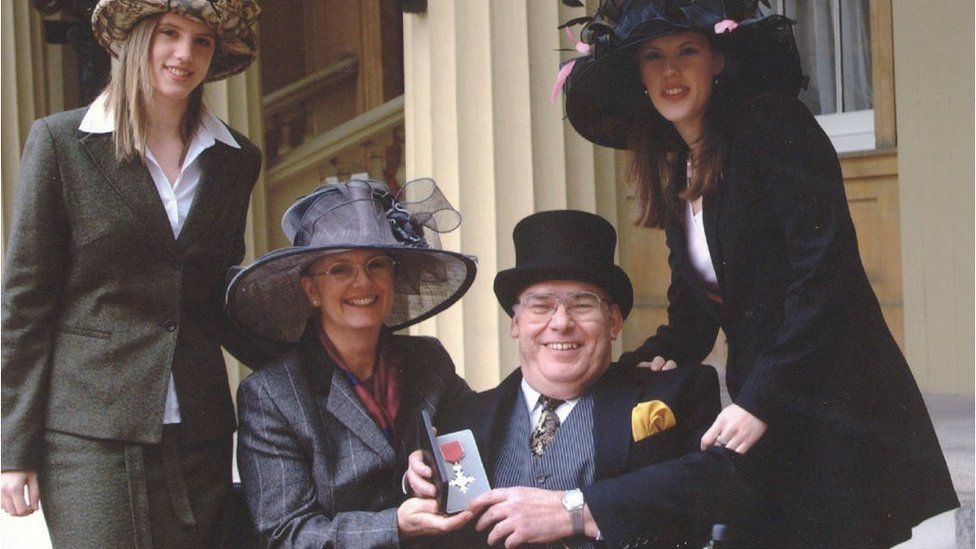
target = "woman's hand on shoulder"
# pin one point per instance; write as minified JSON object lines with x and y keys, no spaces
{"x":735,"y":429}
{"x":658,"y":364}
{"x":12,"y":484}
{"x":422,"y":517}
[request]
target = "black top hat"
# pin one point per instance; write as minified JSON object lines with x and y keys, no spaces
{"x":604,"y":94}
{"x":266,"y":297}
{"x":564,"y":245}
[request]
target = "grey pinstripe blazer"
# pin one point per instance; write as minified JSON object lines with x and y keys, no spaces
{"x":315,"y":468}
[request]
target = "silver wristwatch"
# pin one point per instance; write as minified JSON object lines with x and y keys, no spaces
{"x":573,"y":503}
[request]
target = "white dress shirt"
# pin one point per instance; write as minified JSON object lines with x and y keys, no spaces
{"x":698,"y":252}
{"x":176,"y":196}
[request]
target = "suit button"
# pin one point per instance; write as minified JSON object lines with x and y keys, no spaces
{"x":748,"y":314}
{"x":170,"y":325}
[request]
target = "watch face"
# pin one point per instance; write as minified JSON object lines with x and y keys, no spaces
{"x":572,"y":499}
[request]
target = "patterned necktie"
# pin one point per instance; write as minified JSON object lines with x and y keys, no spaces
{"x":545,"y":430}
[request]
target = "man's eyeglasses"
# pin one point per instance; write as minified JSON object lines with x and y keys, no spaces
{"x":581,"y":306}
{"x":380,"y":266}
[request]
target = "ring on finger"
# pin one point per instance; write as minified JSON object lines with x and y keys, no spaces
{"x":721,"y":442}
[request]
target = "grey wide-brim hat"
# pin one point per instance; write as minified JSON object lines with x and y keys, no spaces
{"x":234,"y":22}
{"x":267,"y":300}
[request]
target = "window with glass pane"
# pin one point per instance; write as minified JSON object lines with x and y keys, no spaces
{"x":834,"y":40}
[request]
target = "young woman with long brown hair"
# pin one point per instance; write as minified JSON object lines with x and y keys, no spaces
{"x":750,"y":194}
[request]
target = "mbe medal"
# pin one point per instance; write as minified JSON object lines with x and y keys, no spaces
{"x":454,"y":453}
{"x":458,"y":451}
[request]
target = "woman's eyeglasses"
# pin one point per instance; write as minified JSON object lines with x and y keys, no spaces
{"x":582,"y":306}
{"x":380,"y":266}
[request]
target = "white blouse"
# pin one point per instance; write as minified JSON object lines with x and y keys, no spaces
{"x":701,"y":259}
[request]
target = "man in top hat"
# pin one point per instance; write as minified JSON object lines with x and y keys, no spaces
{"x":576,"y":449}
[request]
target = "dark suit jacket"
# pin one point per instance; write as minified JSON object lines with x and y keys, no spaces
{"x":808,"y":348}
{"x":659,"y":491}
{"x":100,"y":302}
{"x":315,"y":468}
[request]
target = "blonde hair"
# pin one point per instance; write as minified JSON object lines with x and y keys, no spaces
{"x":130,"y":91}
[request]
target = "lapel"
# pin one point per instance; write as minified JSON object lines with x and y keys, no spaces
{"x":414,"y":394}
{"x":132,"y":182}
{"x":677,"y":237}
{"x":343,"y":404}
{"x":711,"y":211}
{"x":489,"y":416}
{"x":340,"y":401}
{"x":218,"y":170}
{"x":613,"y":400}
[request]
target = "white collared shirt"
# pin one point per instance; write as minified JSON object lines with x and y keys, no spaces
{"x":535,"y":408}
{"x":176,"y":196}
{"x":698,"y":254}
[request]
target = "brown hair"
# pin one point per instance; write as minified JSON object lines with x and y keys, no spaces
{"x":655,"y":149}
{"x":130,"y":92}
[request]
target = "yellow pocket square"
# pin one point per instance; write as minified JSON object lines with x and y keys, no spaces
{"x":651,"y":417}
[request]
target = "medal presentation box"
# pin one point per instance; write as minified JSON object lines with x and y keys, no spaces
{"x":458,"y":472}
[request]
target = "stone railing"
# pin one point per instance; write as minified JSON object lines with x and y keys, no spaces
{"x":369,"y":143}
{"x":289,"y":111}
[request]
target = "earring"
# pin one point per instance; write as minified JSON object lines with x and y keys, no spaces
{"x":315,"y":303}
{"x":715,"y":81}
{"x":645,"y":91}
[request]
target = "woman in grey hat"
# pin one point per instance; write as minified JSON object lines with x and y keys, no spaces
{"x":749,"y":192}
{"x":325,"y":430}
{"x":116,"y":409}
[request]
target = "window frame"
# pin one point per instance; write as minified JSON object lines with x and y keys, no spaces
{"x":869,"y":129}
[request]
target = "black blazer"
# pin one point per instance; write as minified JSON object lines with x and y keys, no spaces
{"x":100,"y":302}
{"x":657,"y":492}
{"x":808,"y":349}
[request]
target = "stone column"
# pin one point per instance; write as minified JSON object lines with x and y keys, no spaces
{"x":935,"y":186}
{"x":237,"y":101}
{"x":24,"y":94}
{"x":479,"y":121}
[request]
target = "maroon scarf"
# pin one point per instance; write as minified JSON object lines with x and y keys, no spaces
{"x":380,"y":392}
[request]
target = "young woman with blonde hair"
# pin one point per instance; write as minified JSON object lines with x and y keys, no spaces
{"x":116,"y":409}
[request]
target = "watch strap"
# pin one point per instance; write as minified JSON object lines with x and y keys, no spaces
{"x":576,"y":515}
{"x":573,"y":503}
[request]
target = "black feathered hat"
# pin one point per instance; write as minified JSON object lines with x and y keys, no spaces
{"x":604,"y":93}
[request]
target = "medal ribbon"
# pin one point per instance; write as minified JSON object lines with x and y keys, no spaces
{"x":452,"y":451}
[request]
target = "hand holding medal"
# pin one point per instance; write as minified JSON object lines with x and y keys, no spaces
{"x":455,"y":468}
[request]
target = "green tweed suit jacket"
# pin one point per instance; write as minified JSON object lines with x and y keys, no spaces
{"x":101,"y":303}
